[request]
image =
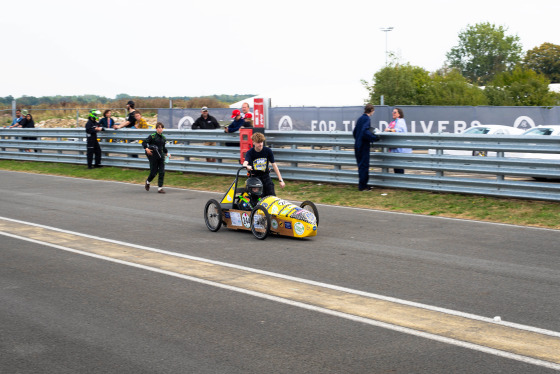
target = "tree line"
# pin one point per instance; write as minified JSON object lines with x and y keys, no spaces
{"x":44,"y":102}
{"x":486,"y":67}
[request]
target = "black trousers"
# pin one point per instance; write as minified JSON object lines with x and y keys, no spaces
{"x":157,"y":167}
{"x":268,"y":185}
{"x":362,"y":159}
{"x":93,"y":148}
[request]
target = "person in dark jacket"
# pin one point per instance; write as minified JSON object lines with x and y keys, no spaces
{"x":238,"y":121}
{"x":363,"y":137}
{"x":28,"y":123}
{"x":154,"y":145}
{"x":206,"y":122}
{"x":92,"y":128}
{"x":107,"y":121}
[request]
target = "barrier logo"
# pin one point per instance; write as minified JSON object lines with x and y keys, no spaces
{"x":285,"y":124}
{"x":185,"y":123}
{"x":524,"y":123}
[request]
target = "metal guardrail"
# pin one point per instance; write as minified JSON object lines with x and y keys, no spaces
{"x":324,"y":157}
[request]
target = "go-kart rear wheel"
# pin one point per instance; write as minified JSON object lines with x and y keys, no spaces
{"x":308,"y":205}
{"x":260,"y":222}
{"x":213,"y":215}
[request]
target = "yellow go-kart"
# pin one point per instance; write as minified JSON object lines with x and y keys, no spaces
{"x":271,"y":215}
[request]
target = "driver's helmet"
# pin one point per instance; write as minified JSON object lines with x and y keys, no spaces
{"x":254,"y":186}
{"x":94,"y":114}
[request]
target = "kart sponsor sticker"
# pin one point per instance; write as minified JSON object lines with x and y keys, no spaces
{"x":246,"y":220}
{"x":274,"y":224}
{"x":288,"y":225}
{"x":258,"y":221}
{"x":226,"y":214}
{"x":299,"y":228}
{"x":235,"y":219}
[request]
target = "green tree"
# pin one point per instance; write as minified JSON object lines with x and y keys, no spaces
{"x":449,"y":87}
{"x":484,"y":50}
{"x":521,"y":87}
{"x":399,"y":85}
{"x":545,"y":59}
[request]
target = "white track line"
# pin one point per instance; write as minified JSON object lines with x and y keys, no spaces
{"x":441,"y":339}
{"x":302,"y":280}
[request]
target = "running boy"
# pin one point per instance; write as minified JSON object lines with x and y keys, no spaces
{"x":259,"y":158}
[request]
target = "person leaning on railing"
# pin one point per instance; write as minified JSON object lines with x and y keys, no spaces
{"x":141,"y":123}
{"x":398,"y":124}
{"x":206,"y":122}
{"x":92,"y":128}
{"x":130,"y":122}
{"x":107,"y":122}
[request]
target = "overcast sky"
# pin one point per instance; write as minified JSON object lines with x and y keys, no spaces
{"x":195,"y":48}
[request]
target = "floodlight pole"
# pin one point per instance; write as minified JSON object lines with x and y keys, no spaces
{"x":386,"y":31}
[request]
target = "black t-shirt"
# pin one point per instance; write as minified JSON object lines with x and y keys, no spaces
{"x":260,"y":160}
{"x":131,"y":119}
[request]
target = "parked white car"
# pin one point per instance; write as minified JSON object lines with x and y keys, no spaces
{"x":481,"y":130}
{"x":493,"y":130}
{"x":553,"y":130}
{"x":541,"y":130}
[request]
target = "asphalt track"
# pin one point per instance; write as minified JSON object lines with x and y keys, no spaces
{"x":105,"y":277}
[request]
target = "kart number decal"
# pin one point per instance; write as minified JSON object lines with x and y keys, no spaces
{"x":235,"y":219}
{"x":274,"y":224}
{"x":246,"y":220}
{"x":299,"y":228}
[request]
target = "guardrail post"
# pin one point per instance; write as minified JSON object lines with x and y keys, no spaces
{"x":439,"y":173}
{"x":336,"y":149}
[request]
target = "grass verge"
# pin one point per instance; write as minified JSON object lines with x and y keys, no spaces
{"x":474,"y":207}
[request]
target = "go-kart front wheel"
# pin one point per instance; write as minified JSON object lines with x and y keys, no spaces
{"x":260,"y":222}
{"x":309,"y":206}
{"x":213,"y":215}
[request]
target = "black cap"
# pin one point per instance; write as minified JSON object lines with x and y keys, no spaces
{"x":130,"y":102}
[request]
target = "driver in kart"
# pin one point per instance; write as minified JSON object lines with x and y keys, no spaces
{"x":252,"y":195}
{"x":258,"y":160}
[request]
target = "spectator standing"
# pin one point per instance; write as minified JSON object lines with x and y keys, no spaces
{"x":248,"y":120}
{"x":260,"y":158}
{"x":245,"y":109}
{"x":237,"y":122}
{"x":28,"y":123}
{"x":363,"y":137}
{"x":154,"y":145}
{"x":206,"y":122}
{"x":16,"y":121}
{"x":107,"y":122}
{"x":141,"y":123}
{"x":398,"y":124}
{"x":130,"y":122}
{"x":92,"y":128}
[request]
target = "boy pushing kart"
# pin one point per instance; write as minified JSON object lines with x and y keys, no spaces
{"x":258,"y":159}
